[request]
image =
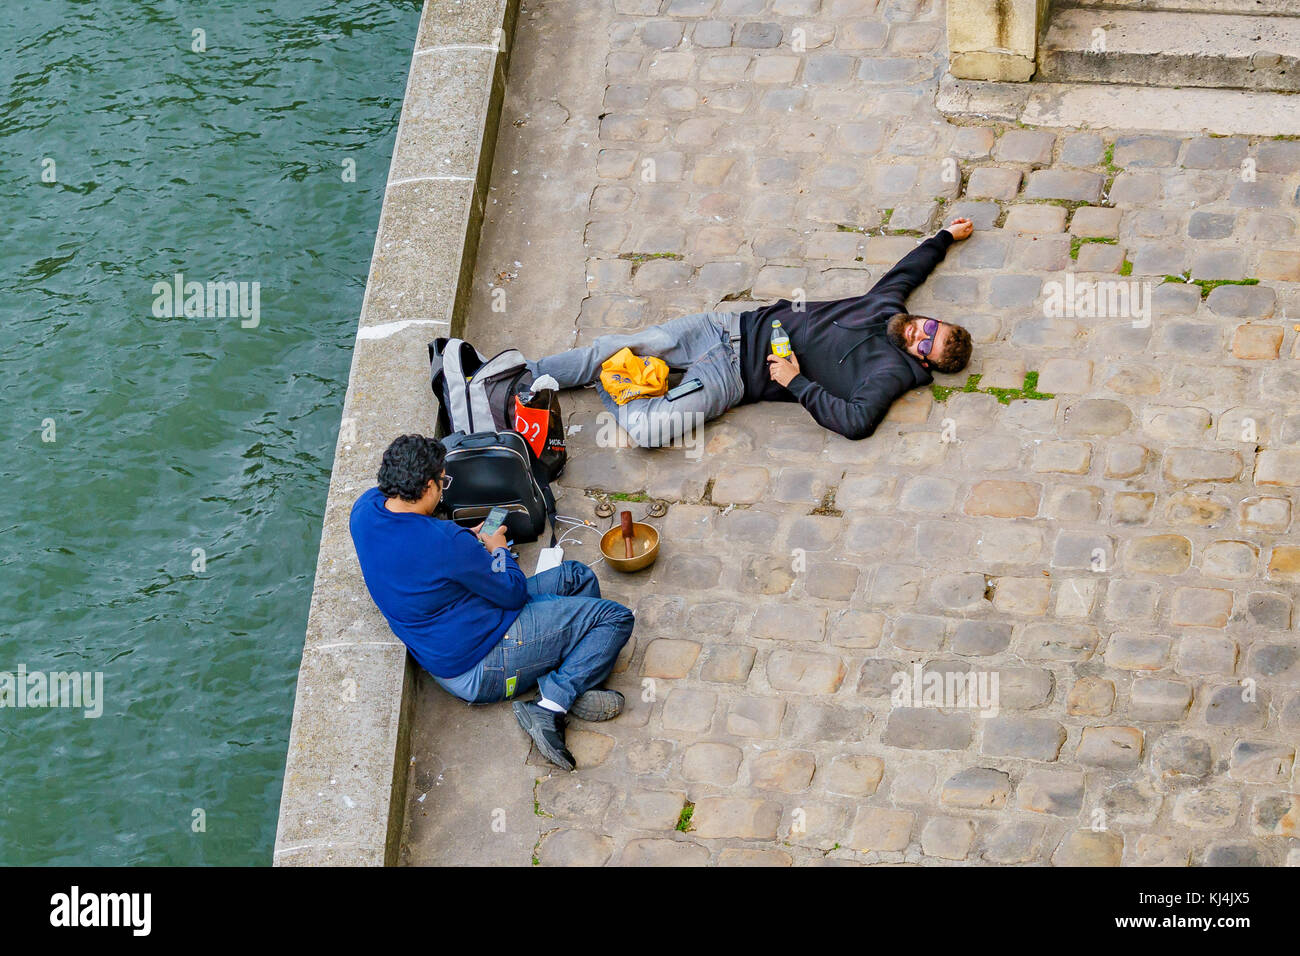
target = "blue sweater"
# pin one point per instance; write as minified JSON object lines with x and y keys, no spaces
{"x":434,"y":582}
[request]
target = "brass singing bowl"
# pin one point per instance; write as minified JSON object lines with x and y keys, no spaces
{"x":645,"y":547}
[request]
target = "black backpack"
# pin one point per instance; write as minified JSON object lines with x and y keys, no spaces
{"x":494,"y":468}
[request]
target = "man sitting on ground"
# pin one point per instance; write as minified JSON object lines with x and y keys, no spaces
{"x":470,"y":617}
{"x":852,"y":357}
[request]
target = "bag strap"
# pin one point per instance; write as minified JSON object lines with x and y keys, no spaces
{"x":501,"y":362}
{"x":438,"y":381}
{"x":436,"y":348}
{"x":458,"y":392}
{"x":548,"y":496}
{"x":480,"y":409}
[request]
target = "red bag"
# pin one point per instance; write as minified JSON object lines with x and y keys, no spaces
{"x":539,"y":421}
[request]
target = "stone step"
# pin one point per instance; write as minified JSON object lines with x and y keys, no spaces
{"x":1227,"y":51}
{"x":1120,"y":107}
{"x":1259,"y":8}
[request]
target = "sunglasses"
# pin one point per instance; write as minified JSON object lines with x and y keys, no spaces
{"x":445,"y":482}
{"x":926,"y":346}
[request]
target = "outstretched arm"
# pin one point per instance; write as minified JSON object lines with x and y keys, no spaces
{"x":914,"y":267}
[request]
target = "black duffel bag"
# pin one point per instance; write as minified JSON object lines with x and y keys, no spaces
{"x":492,"y":468}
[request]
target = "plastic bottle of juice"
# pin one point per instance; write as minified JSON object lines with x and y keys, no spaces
{"x":780,"y":341}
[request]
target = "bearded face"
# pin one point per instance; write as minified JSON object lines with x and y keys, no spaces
{"x":895,"y":329}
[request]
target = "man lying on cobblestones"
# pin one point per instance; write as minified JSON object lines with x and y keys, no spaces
{"x":852,"y":358}
{"x":469,"y":617}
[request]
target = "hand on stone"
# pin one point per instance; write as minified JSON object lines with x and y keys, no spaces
{"x":961,"y":228}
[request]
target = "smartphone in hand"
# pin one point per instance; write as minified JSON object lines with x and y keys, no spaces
{"x":495,"y":519}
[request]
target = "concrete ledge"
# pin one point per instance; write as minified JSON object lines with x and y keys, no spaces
{"x":1181,"y":49}
{"x":976,"y":99}
{"x":346,"y":769}
{"x":1257,"y":7}
{"x":1115,"y":106}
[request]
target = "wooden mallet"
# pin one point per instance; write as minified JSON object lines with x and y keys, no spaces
{"x":625,"y":518}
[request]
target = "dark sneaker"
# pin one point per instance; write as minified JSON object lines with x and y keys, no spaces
{"x":546,"y":727}
{"x":596,"y":705}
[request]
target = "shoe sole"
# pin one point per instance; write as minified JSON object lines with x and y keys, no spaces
{"x":597,"y":713}
{"x":525,"y":720}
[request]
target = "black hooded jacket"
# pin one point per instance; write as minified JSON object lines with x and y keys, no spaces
{"x":849,"y":372}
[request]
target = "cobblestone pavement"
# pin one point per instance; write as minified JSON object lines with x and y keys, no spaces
{"x":1116,"y":548}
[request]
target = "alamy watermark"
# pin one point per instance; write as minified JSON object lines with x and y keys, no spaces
{"x":971,"y":690}
{"x":213,"y":300}
{"x":653,"y":430}
{"x":130,"y":910}
{"x":73,"y":689}
{"x":1103,"y":298}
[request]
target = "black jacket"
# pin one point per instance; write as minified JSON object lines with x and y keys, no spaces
{"x":849,"y":372}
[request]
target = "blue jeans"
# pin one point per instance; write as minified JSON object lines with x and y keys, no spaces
{"x":564,"y":641}
{"x":698,"y":343}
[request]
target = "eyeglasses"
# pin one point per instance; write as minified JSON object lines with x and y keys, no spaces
{"x":926,"y":346}
{"x":445,"y":482}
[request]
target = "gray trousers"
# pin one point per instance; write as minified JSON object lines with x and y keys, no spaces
{"x":700,"y":343}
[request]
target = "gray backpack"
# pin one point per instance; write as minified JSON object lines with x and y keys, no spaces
{"x":475,"y":394}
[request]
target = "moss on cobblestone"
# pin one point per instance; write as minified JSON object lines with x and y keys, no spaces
{"x":537,"y":861}
{"x":1208,"y":285}
{"x":1077,"y":241}
{"x":638,"y":259}
{"x":537,"y":804}
{"x":941,"y":392}
{"x":628,"y":496}
{"x":1069,"y":205}
{"x":647,"y":256}
{"x":940,"y":213}
{"x":1028,"y":390}
{"x":1108,"y":163}
{"x":684,"y":821}
{"x":1108,"y":159}
{"x":1005,"y":396}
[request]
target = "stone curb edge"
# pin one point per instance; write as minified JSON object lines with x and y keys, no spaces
{"x":344,"y":794}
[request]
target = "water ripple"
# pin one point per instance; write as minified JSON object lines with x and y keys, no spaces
{"x":172,"y":433}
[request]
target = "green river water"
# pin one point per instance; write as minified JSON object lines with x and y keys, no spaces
{"x":172,"y":433}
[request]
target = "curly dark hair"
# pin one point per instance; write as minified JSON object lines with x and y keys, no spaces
{"x":956,"y":353}
{"x":409,"y":464}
